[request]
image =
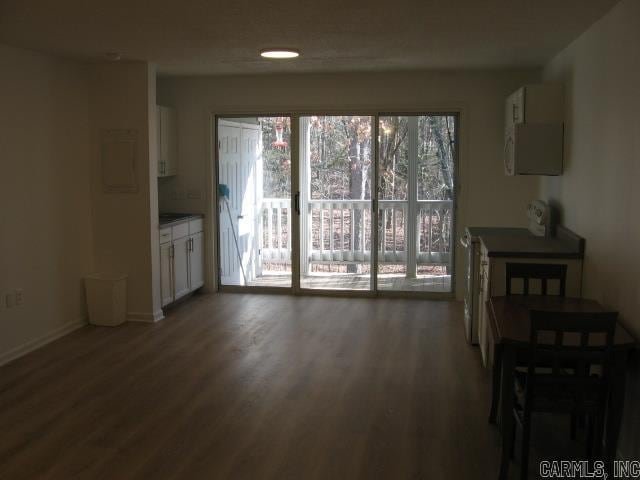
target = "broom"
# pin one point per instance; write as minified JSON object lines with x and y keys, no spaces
{"x":223,"y":191}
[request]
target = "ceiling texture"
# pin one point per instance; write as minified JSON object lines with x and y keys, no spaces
{"x":224,"y":37}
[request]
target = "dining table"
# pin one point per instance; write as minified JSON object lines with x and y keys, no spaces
{"x":509,"y":338}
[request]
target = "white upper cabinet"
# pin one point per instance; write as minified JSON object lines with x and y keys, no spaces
{"x":534,"y":131}
{"x":167,"y":141}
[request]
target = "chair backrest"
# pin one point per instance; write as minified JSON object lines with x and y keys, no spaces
{"x":541,"y":271}
{"x":571,"y":344}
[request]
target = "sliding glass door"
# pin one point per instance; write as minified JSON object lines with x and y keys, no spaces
{"x":335,"y":202}
{"x":416,"y":188}
{"x":254,"y":207}
{"x":337,"y":161}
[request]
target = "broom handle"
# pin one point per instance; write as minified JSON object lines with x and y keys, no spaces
{"x":235,"y":239}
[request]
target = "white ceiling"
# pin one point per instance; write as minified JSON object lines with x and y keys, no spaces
{"x":224,"y":37}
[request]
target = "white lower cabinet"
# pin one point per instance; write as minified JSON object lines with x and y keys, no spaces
{"x":181,"y":260}
{"x":196,"y":261}
{"x":180,"y":267}
{"x":166,"y":274}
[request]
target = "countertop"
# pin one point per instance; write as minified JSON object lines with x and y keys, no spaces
{"x":519,"y":242}
{"x":171,"y":219}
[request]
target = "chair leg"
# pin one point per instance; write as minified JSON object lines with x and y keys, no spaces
{"x":526,"y":434}
{"x":591,"y":419}
{"x":507,"y":447}
{"x":495,"y":383}
{"x":598,"y":435}
{"x":512,"y":452}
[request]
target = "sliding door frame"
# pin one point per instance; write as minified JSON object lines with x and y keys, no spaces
{"x":213,"y":252}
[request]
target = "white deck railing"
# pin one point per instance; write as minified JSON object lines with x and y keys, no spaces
{"x":340,"y":230}
{"x":274,"y":229}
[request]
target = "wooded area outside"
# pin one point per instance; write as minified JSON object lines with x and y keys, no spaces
{"x":341,"y":150}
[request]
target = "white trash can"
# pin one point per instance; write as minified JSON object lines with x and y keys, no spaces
{"x":106,"y":298}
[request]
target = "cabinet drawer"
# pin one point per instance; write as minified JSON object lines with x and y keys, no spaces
{"x":165,"y":235}
{"x":180,"y":230}
{"x":195,"y":226}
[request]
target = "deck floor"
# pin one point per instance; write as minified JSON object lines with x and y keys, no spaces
{"x":391,"y":282}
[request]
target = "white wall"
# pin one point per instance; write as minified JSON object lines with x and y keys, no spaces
{"x":487,"y":197}
{"x":599,"y":192}
{"x":45,"y":244}
{"x":125,"y":225}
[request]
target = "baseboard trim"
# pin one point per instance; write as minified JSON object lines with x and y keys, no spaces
{"x":36,"y":343}
{"x":145,"y":317}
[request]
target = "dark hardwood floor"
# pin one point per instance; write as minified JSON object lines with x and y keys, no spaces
{"x":255,"y":387}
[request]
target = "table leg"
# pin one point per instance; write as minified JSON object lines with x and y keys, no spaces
{"x":506,"y":401}
{"x":495,"y":383}
{"x":615,"y":407}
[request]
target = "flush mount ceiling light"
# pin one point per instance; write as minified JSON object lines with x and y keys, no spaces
{"x":279,"y":53}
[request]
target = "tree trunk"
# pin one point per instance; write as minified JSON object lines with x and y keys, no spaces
{"x":442,"y":157}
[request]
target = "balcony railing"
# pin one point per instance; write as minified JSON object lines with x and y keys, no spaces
{"x":340,"y":231}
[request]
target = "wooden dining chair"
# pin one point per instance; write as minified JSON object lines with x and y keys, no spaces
{"x":569,"y":363}
{"x":527,"y":272}
{"x":538,"y":271}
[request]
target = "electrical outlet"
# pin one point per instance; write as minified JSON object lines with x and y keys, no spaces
{"x":19,"y":296}
{"x":9,"y":300}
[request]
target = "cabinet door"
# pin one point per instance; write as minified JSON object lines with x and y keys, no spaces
{"x":181,"y":267}
{"x":169,"y":140}
{"x":514,"y":110}
{"x":196,"y":261}
{"x":160,"y":159}
{"x":166,"y":275}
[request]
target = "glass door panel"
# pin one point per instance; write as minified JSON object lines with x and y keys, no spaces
{"x":416,"y":162}
{"x":254,"y":175}
{"x":335,"y":202}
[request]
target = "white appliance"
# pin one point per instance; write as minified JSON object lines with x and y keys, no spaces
{"x":541,"y":219}
{"x":471,"y":243}
{"x":470,"y":240}
{"x":534,"y":131}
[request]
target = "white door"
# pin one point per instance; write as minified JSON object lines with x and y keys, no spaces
{"x":249,"y":209}
{"x":166,"y":275}
{"x":238,"y":151}
{"x":196,"y":262}
{"x":181,"y":267}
